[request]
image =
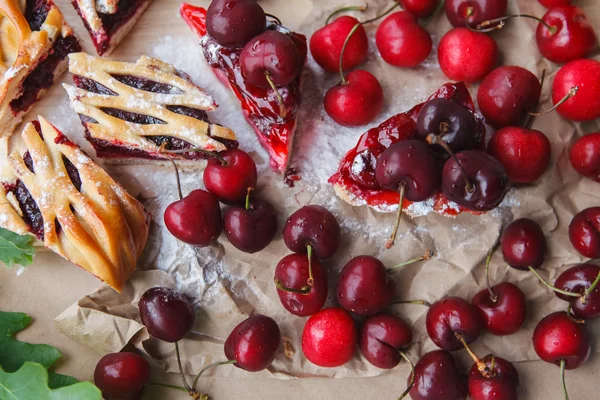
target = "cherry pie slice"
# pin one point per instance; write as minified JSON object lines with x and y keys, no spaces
{"x":355,"y":179}
{"x":34,"y":43}
{"x":109,"y":21}
{"x":64,"y":199}
{"x":260,"y":106}
{"x":141,"y":109}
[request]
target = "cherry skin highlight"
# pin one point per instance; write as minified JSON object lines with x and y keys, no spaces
{"x":253,"y":343}
{"x":523,"y":244}
{"x":585,"y":156}
{"x":122,"y":376}
{"x":467,"y":56}
{"x":382,"y":337}
{"x":503,"y":314}
{"x":329,"y":338}
{"x":315,"y":226}
{"x":232,"y":23}
{"x":230,"y":179}
{"x":584,"y":232}
{"x":585,"y":75}
{"x":449,"y":317}
{"x":401,"y":41}
{"x":437,"y":377}
{"x":166,"y":314}
{"x":326,"y":44}
{"x":250,"y":230}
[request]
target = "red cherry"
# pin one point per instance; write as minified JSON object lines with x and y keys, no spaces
{"x":251,"y":229}
{"x":166,"y":314}
{"x":502,"y":313}
{"x":355,"y":102}
{"x":467,"y":56}
{"x":312,"y":226}
{"x":230,"y":176}
{"x":579,"y":279}
{"x":507,"y":94}
{"x":585,"y":156}
{"x":572,"y":35}
{"x":419,"y":8}
{"x":253,"y":343}
{"x":459,"y":12}
{"x":195,"y":219}
{"x":524,"y":153}
{"x":232,"y":23}
{"x":523,"y":244}
{"x":554,"y":3}
{"x":401,"y":41}
{"x":291,"y":277}
{"x":122,"y":376}
{"x":329,"y":338}
{"x":499,"y":382}
{"x":382,"y":338}
{"x":437,"y":377}
{"x":450,"y":318}
{"x":584,"y":232}
{"x":326,"y":44}
{"x":585,"y":75}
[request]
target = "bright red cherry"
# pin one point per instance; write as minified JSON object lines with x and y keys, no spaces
{"x":329,"y":338}
{"x":584,"y":75}
{"x":229,"y":176}
{"x":503,"y":311}
{"x":584,"y":232}
{"x":312,"y":226}
{"x":252,"y":227}
{"x":467,"y":56}
{"x":451,"y":318}
{"x":524,"y":153}
{"x":253,"y":343}
{"x":437,"y":377}
{"x":232,"y":23}
{"x":499,"y":381}
{"x":585,"y":156}
{"x":355,"y":101}
{"x":571,"y":36}
{"x":122,"y":376}
{"x":579,"y":279}
{"x":401,"y":41}
{"x":474,"y":12}
{"x":166,"y":314}
{"x":382,"y":338}
{"x":326,"y":44}
{"x":523,"y":244}
{"x":507,"y":94}
{"x":554,"y":3}
{"x":419,"y":8}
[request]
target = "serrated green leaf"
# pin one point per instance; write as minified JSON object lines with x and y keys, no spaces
{"x":30,"y":382}
{"x":15,"y":249}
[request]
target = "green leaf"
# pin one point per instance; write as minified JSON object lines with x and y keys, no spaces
{"x":30,"y":382}
{"x":16,"y":249}
{"x":56,"y":381}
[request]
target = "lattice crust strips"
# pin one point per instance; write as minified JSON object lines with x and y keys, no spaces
{"x":111,"y":129}
{"x":100,"y":228}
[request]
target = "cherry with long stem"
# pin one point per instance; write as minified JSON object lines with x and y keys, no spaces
{"x":481,"y":366}
{"x":210,"y":366}
{"x":412,"y":375}
{"x":572,"y":92}
{"x":310,"y":282}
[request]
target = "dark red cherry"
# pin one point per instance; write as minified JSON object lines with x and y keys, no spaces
{"x":571,"y":36}
{"x":253,"y":343}
{"x":554,"y":3}
{"x":326,"y":44}
{"x":382,"y":337}
{"x":291,"y":278}
{"x":584,"y":75}
{"x":273,"y":56}
{"x":500,"y":381}
{"x":523,"y":244}
{"x":524,"y":153}
{"x":438,"y":377}
{"x":329,"y":338}
{"x":507,"y":94}
{"x":420,"y":8}
{"x":314,"y":226}
{"x":584,"y":232}
{"x":401,"y":41}
{"x":122,"y":376}
{"x":451,"y":317}
{"x":232,"y":23}
{"x":251,"y":228}
{"x":585,"y":156}
{"x":467,"y":56}
{"x":474,"y":12}
{"x":230,"y":176}
{"x":195,"y":219}
{"x":579,"y":279}
{"x":486,"y":176}
{"x":166,"y":314}
{"x":502,"y":312}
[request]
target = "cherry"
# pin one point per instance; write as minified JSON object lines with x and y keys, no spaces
{"x":122,"y":376}
{"x":503,"y":309}
{"x":253,"y":343}
{"x":523,"y":244}
{"x":437,"y":377}
{"x":232,"y":23}
{"x":584,"y":232}
{"x":580,"y":281}
{"x":292,"y":278}
{"x":326,"y":44}
{"x":507,"y":94}
{"x":585,"y":156}
{"x":565,"y":35}
{"x":251,"y":228}
{"x":524,"y":153}
{"x":329,"y":338}
{"x":166,"y":314}
{"x":312,"y":226}
{"x":383,"y":338}
{"x":465,"y":55}
{"x":452,"y":321}
{"x":474,"y":12}
{"x":229,"y":176}
{"x":554,"y":3}
{"x":585,"y":76}
{"x":475,"y":180}
{"x":499,"y":380}
{"x":356,"y":101}
{"x":419,"y":8}
{"x":401,"y":41}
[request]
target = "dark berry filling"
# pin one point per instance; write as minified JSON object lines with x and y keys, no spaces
{"x":36,"y":12}
{"x":132,"y":117}
{"x":146,"y":84}
{"x":92,"y":86}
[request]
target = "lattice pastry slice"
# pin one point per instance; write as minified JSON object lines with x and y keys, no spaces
{"x":73,"y":206}
{"x":109,"y":21}
{"x":34,"y":43}
{"x":140,"y":109}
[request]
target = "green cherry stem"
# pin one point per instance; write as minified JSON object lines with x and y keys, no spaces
{"x":247,"y":205}
{"x":401,"y":191}
{"x":344,"y":9}
{"x":412,"y":375}
{"x":416,"y":302}
{"x":483,"y":27}
{"x":179,"y":192}
{"x":488,"y":260}
{"x":481,"y":366}
{"x":282,"y":111}
{"x":428,"y":254}
{"x":185,"y":383}
{"x":572,"y":92}
{"x":563,"y":367}
{"x":303,"y":290}
{"x":311,"y":280}
{"x":557,"y":290}
{"x":531,"y":117}
{"x":591,"y":288}
{"x":209,"y":366}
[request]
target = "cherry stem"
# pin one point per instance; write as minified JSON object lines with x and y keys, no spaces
{"x":354,"y":28}
{"x":392,"y":239}
{"x":501,"y":23}
{"x":344,"y":9}
{"x":282,"y":111}
{"x":563,"y":367}
{"x":274,"y":17}
{"x":532,"y":117}
{"x":185,"y":383}
{"x":572,"y":316}
{"x":250,"y":189}
{"x":412,"y":375}
{"x":303,"y":290}
{"x":434,"y":139}
{"x":428,"y":254}
{"x":386,"y":12}
{"x":488,"y":259}
{"x":193,"y":394}
{"x":179,"y":192}
{"x":557,"y":290}
{"x":209,"y":366}
{"x":481,"y":366}
{"x":311,"y":280}
{"x":572,"y":92}
{"x":591,"y":288}
{"x":416,"y":302}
